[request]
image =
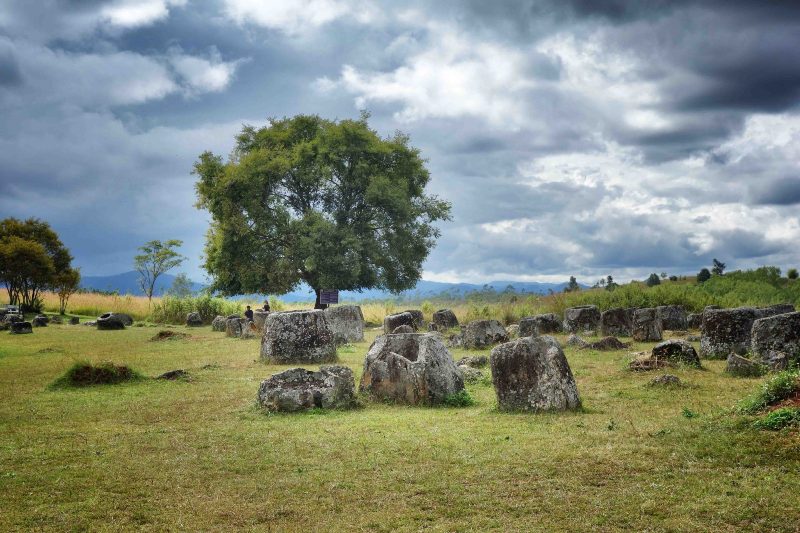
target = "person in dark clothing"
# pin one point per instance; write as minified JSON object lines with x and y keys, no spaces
{"x":249,"y":314}
{"x":266,"y":306}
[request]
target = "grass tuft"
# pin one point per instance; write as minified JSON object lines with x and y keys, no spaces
{"x":774,"y":390}
{"x":85,"y":374}
{"x":459,"y":399}
{"x":779,"y":419}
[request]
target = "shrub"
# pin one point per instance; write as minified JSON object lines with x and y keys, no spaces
{"x":653,"y":280}
{"x":774,"y":390}
{"x":459,"y":399}
{"x":703,"y":276}
{"x":792,"y":273}
{"x":779,"y":419}
{"x":85,"y":374}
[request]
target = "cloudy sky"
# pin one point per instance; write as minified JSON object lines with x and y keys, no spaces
{"x":572,"y":137}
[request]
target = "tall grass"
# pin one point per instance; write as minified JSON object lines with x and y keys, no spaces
{"x":172,"y":310}
{"x":95,"y":304}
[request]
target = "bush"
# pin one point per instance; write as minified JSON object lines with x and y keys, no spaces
{"x":459,"y":399}
{"x":779,"y":419}
{"x":172,"y":310}
{"x":792,"y":273}
{"x":653,"y":280}
{"x":774,"y":390}
{"x":86,"y":374}
{"x":703,"y":276}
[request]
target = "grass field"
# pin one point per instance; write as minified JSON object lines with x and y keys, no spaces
{"x":199,"y":456}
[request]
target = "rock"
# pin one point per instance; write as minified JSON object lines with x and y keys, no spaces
{"x":456,"y":340}
{"x":234,"y":326}
{"x":173,"y":375}
{"x":483,"y":333}
{"x":775,"y":360}
{"x":259,"y":319}
{"x":391,"y":322}
{"x":412,"y":368}
{"x":725,"y":331}
{"x":772,"y":310}
{"x":778,"y":333}
{"x":575,"y":340}
{"x":694,"y":320}
{"x":194,"y":319}
{"x":109,"y":321}
{"x":677,"y":351}
{"x":9,"y":319}
{"x":617,"y":321}
{"x":742,"y":366}
{"x":405,"y":328}
{"x":19,"y":328}
{"x":512,"y":331}
{"x":475,"y":361}
{"x":419,"y":318}
{"x":90,"y":323}
{"x":126,"y":320}
{"x":647,"y":325}
{"x":470,"y":375}
{"x":56,"y":319}
{"x":540,"y":325}
{"x":249,"y":330}
{"x":298,"y":337}
{"x":607,"y":344}
{"x":667,"y":380}
{"x":346,"y":322}
{"x":297,"y":389}
{"x":532,"y":374}
{"x":444,"y":319}
{"x":673,"y":317}
{"x":40,"y":321}
{"x":693,"y":338}
{"x":582,"y":318}
{"x":218,"y":324}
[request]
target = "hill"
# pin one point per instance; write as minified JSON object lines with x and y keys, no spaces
{"x":128,"y":283}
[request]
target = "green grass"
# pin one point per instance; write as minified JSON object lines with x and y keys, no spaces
{"x":776,"y":388}
{"x":199,"y":456}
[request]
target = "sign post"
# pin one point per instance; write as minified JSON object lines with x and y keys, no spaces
{"x":329,"y":296}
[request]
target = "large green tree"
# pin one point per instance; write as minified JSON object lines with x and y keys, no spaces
{"x":329,"y":203}
{"x":31,"y":256}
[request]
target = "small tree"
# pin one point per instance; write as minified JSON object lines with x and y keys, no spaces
{"x":156,"y":258}
{"x":703,"y":276}
{"x":653,"y":280}
{"x":673,"y":278}
{"x":792,"y":273}
{"x":610,"y":283}
{"x":181,"y":286}
{"x":718,"y":268}
{"x":572,"y":285}
{"x":66,"y":283}
{"x":663,"y":275}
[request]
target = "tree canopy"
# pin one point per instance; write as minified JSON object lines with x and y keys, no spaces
{"x":156,"y":258}
{"x":329,"y":203}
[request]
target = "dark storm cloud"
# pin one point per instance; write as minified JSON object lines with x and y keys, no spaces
{"x":10,"y":73}
{"x":784,"y":191}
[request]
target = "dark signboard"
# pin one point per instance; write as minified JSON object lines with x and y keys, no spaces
{"x":329,"y":296}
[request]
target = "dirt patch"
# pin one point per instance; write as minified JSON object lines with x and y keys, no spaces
{"x":649,"y":363}
{"x":791,"y":401}
{"x":173,"y":375}
{"x":168,"y":335}
{"x":51,"y":350}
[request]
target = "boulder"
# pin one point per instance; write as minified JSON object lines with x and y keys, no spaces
{"x":218,"y":324}
{"x":673,"y":317}
{"x":694,"y":320}
{"x":346,"y":322}
{"x":194,"y":319}
{"x":737,"y":365}
{"x":607,"y":344}
{"x":298,"y":389}
{"x":56,"y":319}
{"x":235,"y":326}
{"x":298,"y":337}
{"x":444,"y":319}
{"x":109,"y":321}
{"x":9,"y":318}
{"x":40,"y":321}
{"x":412,"y":368}
{"x":249,"y":330}
{"x":470,"y":375}
{"x":617,"y":321}
{"x":575,"y":340}
{"x":775,"y":360}
{"x":475,"y":361}
{"x":647,"y":325}
{"x":581,"y":319}
{"x":19,"y":328}
{"x":532,"y":374}
{"x":540,"y":325}
{"x":778,"y":333}
{"x":677,"y":351}
{"x":483,"y":333}
{"x":419,"y":318}
{"x":126,"y":320}
{"x":259,"y":319}
{"x":772,"y":310}
{"x":667,"y":380}
{"x":405,"y":328}
{"x":725,"y":331}
{"x":390,"y":322}
{"x":512,"y":331}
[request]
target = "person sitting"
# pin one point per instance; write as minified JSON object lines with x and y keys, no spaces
{"x":266,"y":306}
{"x":248,"y":314}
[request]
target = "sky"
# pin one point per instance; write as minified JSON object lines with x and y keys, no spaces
{"x":582,"y":137}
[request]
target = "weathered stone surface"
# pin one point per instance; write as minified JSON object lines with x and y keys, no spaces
{"x":419,"y":318}
{"x":581,"y":319}
{"x":694,"y":320}
{"x":346,"y":322}
{"x":772,"y":310}
{"x":540,"y":325}
{"x":606,"y":344}
{"x":19,"y":328}
{"x":297,"y":389}
{"x":725,"y":331}
{"x":475,"y":361}
{"x":405,"y":328}
{"x":576,"y":340}
{"x":512,"y":331}
{"x":647,"y":325}
{"x":390,"y":322}
{"x":532,"y":374}
{"x":9,"y":318}
{"x":126,"y":320}
{"x":194,"y":319}
{"x":218,"y":324}
{"x":775,"y":360}
{"x":413,"y":368}
{"x":235,"y":326}
{"x":741,"y":366}
{"x":56,"y":319}
{"x":298,"y":337}
{"x":778,"y":333}
{"x":617,"y":321}
{"x":249,"y":330}
{"x":444,"y":319}
{"x":40,"y":321}
{"x":259,"y":319}
{"x":470,"y":375}
{"x":110,"y":321}
{"x":667,"y":380}
{"x":673,"y":317}
{"x":678,"y":351}
{"x":483,"y":333}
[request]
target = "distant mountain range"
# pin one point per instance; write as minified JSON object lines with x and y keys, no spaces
{"x":127,"y":283}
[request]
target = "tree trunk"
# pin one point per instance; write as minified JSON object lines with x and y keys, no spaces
{"x":317,"y":304}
